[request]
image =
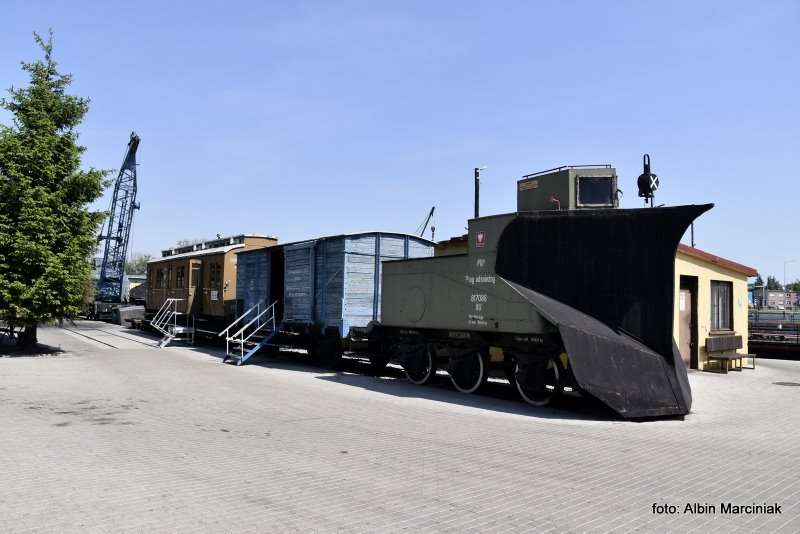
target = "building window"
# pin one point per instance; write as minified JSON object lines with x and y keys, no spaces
{"x":721,"y":305}
{"x":180,"y":278}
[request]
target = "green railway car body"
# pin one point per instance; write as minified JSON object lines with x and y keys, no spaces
{"x":459,"y":292}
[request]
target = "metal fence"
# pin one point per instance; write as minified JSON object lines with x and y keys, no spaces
{"x":779,"y":327}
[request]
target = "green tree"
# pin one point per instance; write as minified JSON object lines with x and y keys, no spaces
{"x":47,"y":233}
{"x":137,"y":264}
{"x":772,"y":283}
{"x":794,"y":286}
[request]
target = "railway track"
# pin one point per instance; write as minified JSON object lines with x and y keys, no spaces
{"x":82,"y":332}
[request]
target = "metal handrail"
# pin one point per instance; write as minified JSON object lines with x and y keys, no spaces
{"x":165,"y":314}
{"x":161,"y":311}
{"x":256,"y":318}
{"x":242,"y":339}
{"x":531,"y":175}
{"x":170,"y":312}
{"x":161,"y":316}
{"x":242,"y":316}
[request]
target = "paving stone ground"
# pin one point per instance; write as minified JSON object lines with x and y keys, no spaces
{"x":115,"y":435}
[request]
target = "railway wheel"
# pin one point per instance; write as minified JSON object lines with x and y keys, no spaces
{"x":468,"y":372}
{"x":420,"y":367}
{"x":538,"y":381}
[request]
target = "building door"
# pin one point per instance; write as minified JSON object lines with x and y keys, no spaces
{"x":193,"y":301}
{"x":687,"y":321}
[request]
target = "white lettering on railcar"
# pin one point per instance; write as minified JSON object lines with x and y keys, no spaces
{"x":480,"y":279}
{"x":478,"y":299}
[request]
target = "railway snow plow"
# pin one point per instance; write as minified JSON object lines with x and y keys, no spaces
{"x":605,"y":279}
{"x":554,"y":300}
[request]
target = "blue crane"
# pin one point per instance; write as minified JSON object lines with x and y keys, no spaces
{"x":118,"y":229}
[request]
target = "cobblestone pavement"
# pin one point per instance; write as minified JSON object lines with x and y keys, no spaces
{"x":115,"y":435}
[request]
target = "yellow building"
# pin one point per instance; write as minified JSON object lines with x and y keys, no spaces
{"x":710,"y":306}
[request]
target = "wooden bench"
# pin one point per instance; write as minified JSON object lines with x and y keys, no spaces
{"x":727,"y":360}
{"x":722,"y":349}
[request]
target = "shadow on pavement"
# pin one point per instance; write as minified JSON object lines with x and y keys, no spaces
{"x":10,"y":350}
{"x":355,"y":370}
{"x":496,"y":395}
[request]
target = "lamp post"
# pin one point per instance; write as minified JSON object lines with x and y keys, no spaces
{"x":478,"y":189}
{"x":785,"y":263}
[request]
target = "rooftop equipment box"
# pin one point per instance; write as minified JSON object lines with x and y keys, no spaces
{"x":569,"y":188}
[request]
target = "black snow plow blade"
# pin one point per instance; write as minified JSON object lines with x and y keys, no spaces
{"x":605,"y":279}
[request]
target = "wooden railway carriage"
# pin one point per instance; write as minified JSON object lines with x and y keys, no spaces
{"x":202,"y":277}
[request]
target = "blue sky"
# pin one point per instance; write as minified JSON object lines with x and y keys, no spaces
{"x":299,"y":119}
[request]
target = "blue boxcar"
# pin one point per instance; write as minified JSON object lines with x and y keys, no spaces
{"x":253,"y":276}
{"x":331,"y":282}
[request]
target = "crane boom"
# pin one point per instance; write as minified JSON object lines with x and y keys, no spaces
{"x":424,"y":226}
{"x":118,"y":229}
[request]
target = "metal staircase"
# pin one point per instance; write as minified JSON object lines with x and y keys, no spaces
{"x":166,"y":322}
{"x":259,"y":329}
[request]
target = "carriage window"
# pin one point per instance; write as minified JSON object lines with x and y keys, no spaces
{"x":180,"y":279}
{"x":214,"y":276}
{"x":195,"y":272}
{"x":721,"y":305}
